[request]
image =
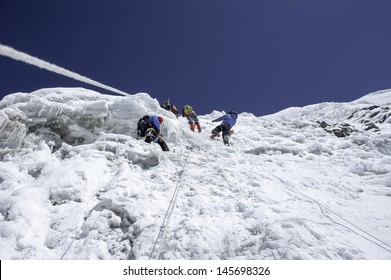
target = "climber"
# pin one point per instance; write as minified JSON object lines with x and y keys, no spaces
{"x":228,"y":121}
{"x":170,"y":107}
{"x":149,"y":126}
{"x":192,"y":118}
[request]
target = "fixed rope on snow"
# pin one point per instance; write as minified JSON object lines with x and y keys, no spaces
{"x":369,"y":237}
{"x":100,"y":204}
{"x":157,"y":249}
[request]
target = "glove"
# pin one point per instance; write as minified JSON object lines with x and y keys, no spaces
{"x":156,"y":139}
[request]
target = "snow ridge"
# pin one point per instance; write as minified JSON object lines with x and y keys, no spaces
{"x":305,"y":183}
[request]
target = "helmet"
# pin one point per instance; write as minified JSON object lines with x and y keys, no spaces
{"x":233,"y":113}
{"x":188,"y":109}
{"x":160,"y":119}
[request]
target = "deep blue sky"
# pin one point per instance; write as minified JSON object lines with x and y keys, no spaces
{"x":258,"y":56}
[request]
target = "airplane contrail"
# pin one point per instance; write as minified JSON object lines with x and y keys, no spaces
{"x":24,"y":57}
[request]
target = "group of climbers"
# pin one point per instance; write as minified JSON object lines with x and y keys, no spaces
{"x":149,"y":126}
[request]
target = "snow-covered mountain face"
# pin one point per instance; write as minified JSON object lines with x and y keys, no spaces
{"x":305,"y":183}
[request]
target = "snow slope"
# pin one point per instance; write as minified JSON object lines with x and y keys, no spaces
{"x":305,"y":183}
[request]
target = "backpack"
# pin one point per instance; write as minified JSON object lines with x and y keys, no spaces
{"x":142,"y":125}
{"x":167,"y":105}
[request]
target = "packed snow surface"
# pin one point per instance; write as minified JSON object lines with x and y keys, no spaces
{"x":304,"y":183}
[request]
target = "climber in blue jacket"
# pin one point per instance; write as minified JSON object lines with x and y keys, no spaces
{"x":149,"y":126}
{"x":156,"y":121}
{"x":228,"y":121}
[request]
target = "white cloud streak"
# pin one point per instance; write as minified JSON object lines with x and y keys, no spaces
{"x":24,"y":57}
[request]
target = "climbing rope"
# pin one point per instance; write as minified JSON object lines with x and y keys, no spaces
{"x":104,"y":189}
{"x":157,"y":249}
{"x":361,"y":233}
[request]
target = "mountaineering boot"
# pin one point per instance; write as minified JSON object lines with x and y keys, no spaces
{"x":226,"y":140}
{"x":199,"y":127}
{"x":192,"y":127}
{"x":163,"y":145}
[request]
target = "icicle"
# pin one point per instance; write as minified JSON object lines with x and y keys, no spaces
{"x":6,"y":142}
{"x":15,"y":134}
{"x":22,"y":131}
{"x":6,"y":122}
{"x":58,"y":111}
{"x":40,"y":111}
{"x":22,"y":136}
